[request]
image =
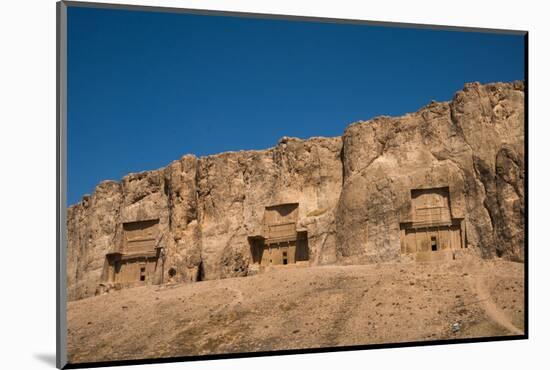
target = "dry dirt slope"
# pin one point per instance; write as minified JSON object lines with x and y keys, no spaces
{"x":299,"y":308}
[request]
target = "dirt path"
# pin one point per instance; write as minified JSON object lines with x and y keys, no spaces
{"x":343,"y":318}
{"x":238,"y":298}
{"x":494,"y":313}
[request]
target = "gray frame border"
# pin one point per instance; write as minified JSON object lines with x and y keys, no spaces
{"x":303,"y":18}
{"x":61,"y":185}
{"x":61,"y":176}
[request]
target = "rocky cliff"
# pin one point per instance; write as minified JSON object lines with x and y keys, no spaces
{"x":353,"y":192}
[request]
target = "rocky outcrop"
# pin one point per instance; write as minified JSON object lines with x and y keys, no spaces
{"x":353,"y":192}
{"x":93,"y":228}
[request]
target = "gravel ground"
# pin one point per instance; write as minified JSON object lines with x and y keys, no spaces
{"x":301,"y":307}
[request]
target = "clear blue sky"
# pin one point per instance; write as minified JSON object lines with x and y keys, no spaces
{"x":146,"y":88}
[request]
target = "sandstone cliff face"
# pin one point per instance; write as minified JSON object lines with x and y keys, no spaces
{"x":353,"y":192}
{"x":235,"y":188}
{"x":207,"y":208}
{"x":92,"y":227}
{"x":474,"y":145}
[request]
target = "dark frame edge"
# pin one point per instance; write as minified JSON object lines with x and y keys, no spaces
{"x":302,"y":351}
{"x":61,"y":184}
{"x":287,"y":17}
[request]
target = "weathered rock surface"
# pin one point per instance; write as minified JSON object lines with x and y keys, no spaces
{"x":353,"y":191}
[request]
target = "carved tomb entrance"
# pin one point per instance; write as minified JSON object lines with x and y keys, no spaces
{"x":281,"y":243}
{"x":136,"y":261}
{"x":432,"y":228}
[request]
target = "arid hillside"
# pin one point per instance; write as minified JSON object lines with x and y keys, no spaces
{"x":293,"y":307}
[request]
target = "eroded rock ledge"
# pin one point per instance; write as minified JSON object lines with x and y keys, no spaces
{"x":447,"y":178}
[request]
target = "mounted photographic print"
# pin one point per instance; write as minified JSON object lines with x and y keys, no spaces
{"x":235,"y":184}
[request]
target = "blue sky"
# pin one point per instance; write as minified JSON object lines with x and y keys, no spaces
{"x":146,"y":88}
